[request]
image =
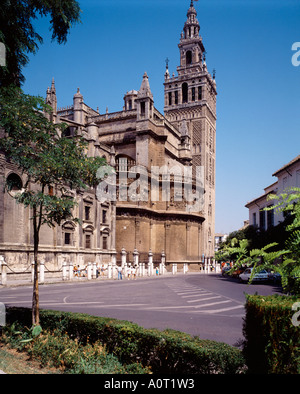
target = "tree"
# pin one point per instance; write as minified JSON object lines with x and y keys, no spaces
{"x":48,"y":160}
{"x":288,"y":202}
{"x":18,"y":34}
{"x":286,"y":260}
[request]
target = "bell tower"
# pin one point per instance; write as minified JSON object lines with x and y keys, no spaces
{"x":191,"y":96}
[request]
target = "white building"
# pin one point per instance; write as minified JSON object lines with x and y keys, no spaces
{"x":287,"y":176}
{"x":219,"y":238}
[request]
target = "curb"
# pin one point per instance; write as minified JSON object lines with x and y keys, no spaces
{"x":16,"y":283}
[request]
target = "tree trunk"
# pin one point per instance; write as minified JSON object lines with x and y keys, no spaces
{"x":35,"y":295}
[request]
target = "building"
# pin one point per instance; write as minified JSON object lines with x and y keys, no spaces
{"x":287,"y":176}
{"x":93,"y":241}
{"x":219,"y":238}
{"x":164,"y":171}
{"x":191,"y":97}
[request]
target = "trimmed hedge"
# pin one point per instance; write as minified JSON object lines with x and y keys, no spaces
{"x":165,"y":352}
{"x":271,"y":340}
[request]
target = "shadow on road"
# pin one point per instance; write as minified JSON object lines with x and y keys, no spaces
{"x":276,"y":288}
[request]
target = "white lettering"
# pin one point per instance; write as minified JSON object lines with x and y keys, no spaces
{"x":295,"y":316}
{"x":121,"y":384}
{"x":2,"y":314}
{"x":2,"y":55}
{"x":296,"y":56}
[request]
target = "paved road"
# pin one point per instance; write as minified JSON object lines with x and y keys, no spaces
{"x":209,"y":306}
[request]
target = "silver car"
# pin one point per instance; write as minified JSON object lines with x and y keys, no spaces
{"x":259,"y":277}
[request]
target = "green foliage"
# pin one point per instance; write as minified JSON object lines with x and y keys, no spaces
{"x":18,"y":33}
{"x":289,"y":203}
{"x":271,"y":340}
{"x":52,"y":163}
{"x":283,"y":259}
{"x":166,"y":351}
{"x":56,"y":349}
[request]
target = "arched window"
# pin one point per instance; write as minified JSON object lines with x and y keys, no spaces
{"x":184,"y":92}
{"x":189,"y":57}
{"x":14,"y":183}
{"x":67,"y":132}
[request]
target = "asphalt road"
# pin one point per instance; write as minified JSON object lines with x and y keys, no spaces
{"x":209,"y":306}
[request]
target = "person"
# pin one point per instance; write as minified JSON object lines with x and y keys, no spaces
{"x":157,"y":271}
{"x":75,"y":270}
{"x":102,"y":270}
{"x":133,"y":272}
{"x":129,"y":271}
{"x":119,"y":273}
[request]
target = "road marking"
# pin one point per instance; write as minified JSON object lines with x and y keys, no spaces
{"x":170,"y":307}
{"x":193,"y":295}
{"x":117,"y":305}
{"x":189,"y":292}
{"x":205,"y":299}
{"x":99,"y":304}
{"x":58,"y":302}
{"x":221,"y":310}
{"x":213,"y":303}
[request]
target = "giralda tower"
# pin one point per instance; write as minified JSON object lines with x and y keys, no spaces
{"x":191,"y":97}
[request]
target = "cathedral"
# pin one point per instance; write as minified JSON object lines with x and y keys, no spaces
{"x":163,"y":168}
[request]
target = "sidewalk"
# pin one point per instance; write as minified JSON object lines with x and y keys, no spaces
{"x":59,"y":280}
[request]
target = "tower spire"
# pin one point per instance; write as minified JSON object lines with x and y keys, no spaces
{"x":51,"y":97}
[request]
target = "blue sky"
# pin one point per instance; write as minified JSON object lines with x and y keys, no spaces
{"x":248,"y":42}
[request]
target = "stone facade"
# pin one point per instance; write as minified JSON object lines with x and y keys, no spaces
{"x":191,"y":97}
{"x":155,"y":158}
{"x":93,"y":241}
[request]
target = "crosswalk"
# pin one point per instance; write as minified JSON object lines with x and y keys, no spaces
{"x":200,"y":300}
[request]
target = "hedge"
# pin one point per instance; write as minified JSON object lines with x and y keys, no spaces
{"x":271,"y":339}
{"x":167,"y":352}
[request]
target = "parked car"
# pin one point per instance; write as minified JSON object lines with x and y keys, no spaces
{"x":275,"y":277}
{"x":236,"y":273}
{"x":225,"y":270}
{"x":259,"y":277}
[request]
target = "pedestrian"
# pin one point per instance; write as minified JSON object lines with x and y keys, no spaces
{"x":129,"y":271}
{"x":157,"y":271}
{"x":120,"y":273}
{"x":133,"y":272}
{"x":102,"y":270}
{"x":75,"y":270}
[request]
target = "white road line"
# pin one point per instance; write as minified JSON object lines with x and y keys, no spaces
{"x":205,"y":299}
{"x":117,"y":305}
{"x":170,"y":307}
{"x":57,"y":302}
{"x":213,"y":303}
{"x":199,"y":295}
{"x":222,"y":310}
{"x":188,"y":292}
